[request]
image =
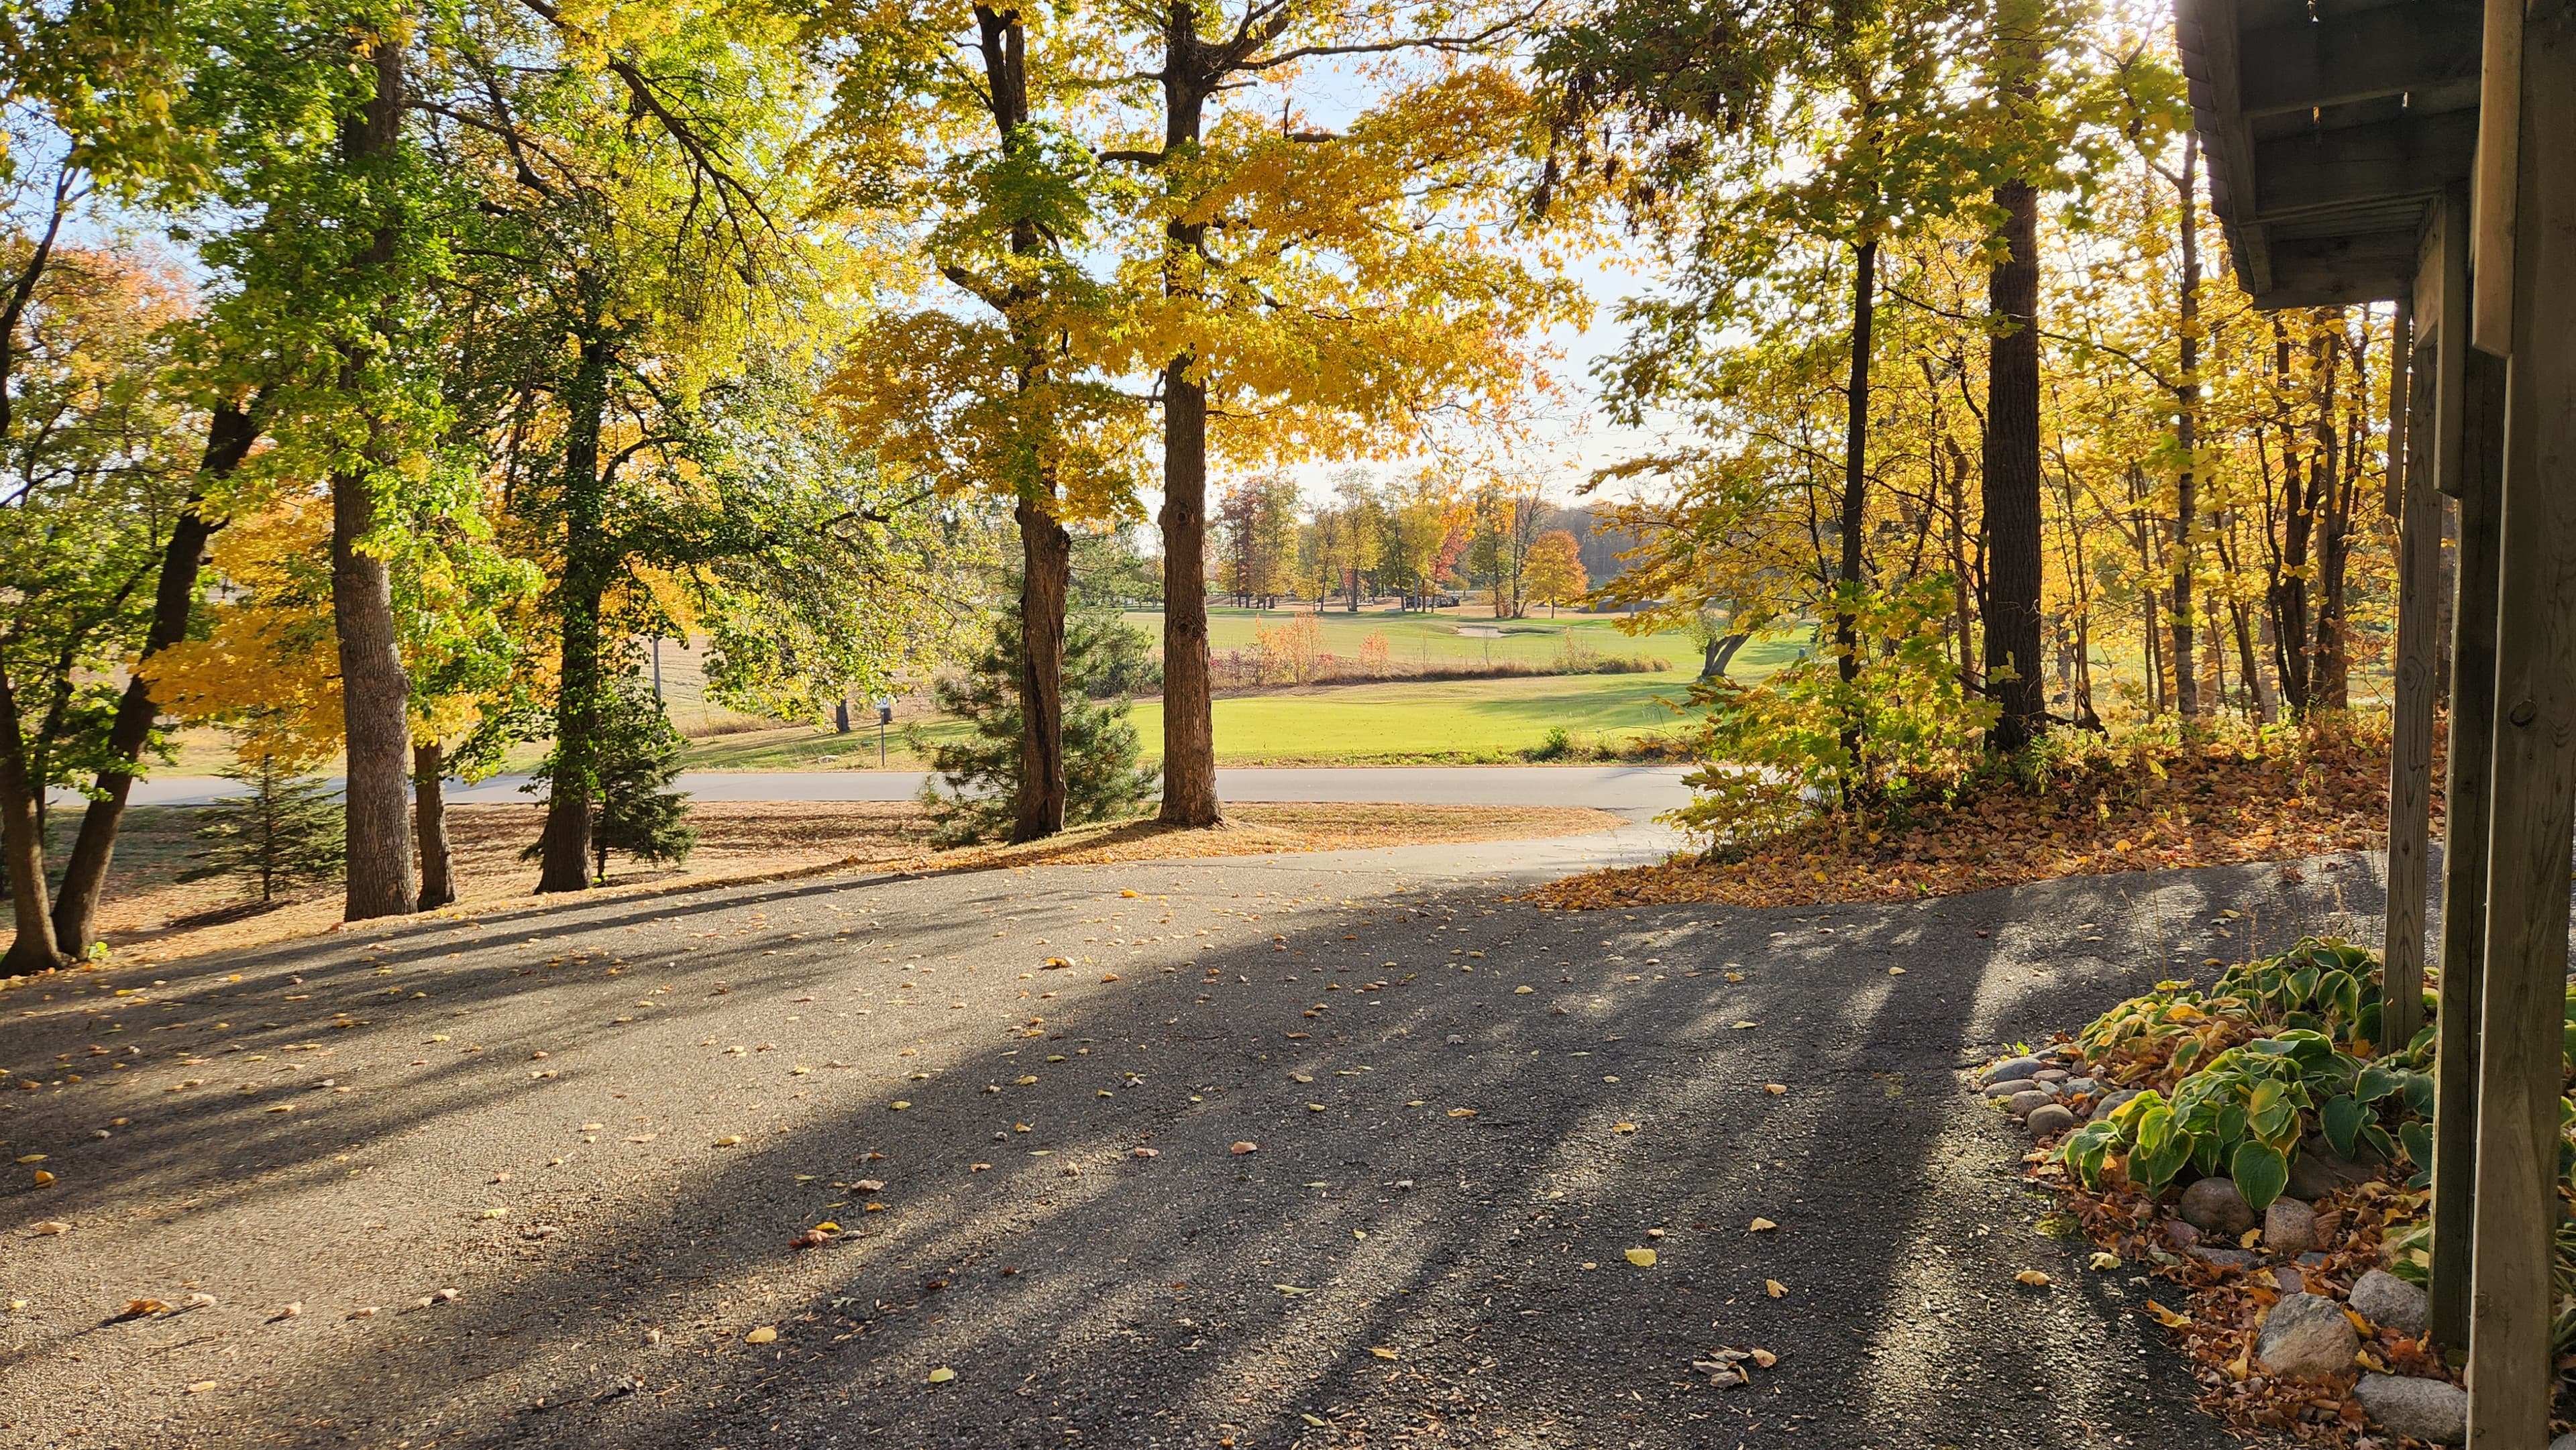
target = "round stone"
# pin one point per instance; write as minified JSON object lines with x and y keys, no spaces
{"x":2306,"y":1336}
{"x":2417,"y":1409}
{"x":2390,"y":1302}
{"x":2213,"y":1206}
{"x":2022,"y":1105}
{"x":2019,"y":1067}
{"x":2289,"y":1227}
{"x":2111,"y":1104}
{"x":2047,"y":1119}
{"x":2005,"y":1091}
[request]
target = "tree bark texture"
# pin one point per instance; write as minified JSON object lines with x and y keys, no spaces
{"x":375,"y":693}
{"x":229,"y":435}
{"x":1189,"y":729}
{"x":1855,"y":510}
{"x":429,"y":821}
{"x":1046,"y":562}
{"x":2184,"y":616}
{"x":564,"y":862}
{"x":2015,"y":678}
{"x":22,"y":831}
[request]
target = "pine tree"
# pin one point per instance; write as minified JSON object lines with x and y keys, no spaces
{"x":1102,"y":652}
{"x":634,"y":753}
{"x":287,"y":831}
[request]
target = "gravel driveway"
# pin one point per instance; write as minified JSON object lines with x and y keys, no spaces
{"x":602,"y":1127}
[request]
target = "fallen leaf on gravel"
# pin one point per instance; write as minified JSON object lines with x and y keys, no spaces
{"x":866,"y":1185}
{"x":201,"y":1386}
{"x":1896,"y":971}
{"x":1642,"y":1258}
{"x":592,"y":1127}
{"x":1024,"y":1080}
{"x":899,"y":1104}
{"x":1247,"y":1147}
{"x":283,"y":1108}
{"x":1762,"y":1225}
{"x":2167,"y":1317}
{"x":494,"y":1213}
{"x":1383,"y":1353}
{"x":2032,"y":1278}
{"x":31,"y":1158}
{"x":763,"y":1335}
{"x":140,"y":1308}
{"x":942,"y":1375}
{"x":1314,"y":1420}
{"x":363,"y":1312}
{"x":1054,"y":963}
{"x":1523,"y":991}
{"x":1130,"y":895}
{"x":1462,"y":1112}
{"x":1775,"y":1089}
{"x":977,"y":1167}
{"x":201,"y":1301}
{"x":43,"y":1178}
{"x":1735,"y":976}
{"x":1765,"y":1358}
{"x":2107,"y":1263}
{"x":812,"y":1238}
{"x":1746,"y":1026}
{"x":445,"y":1296}
{"x":52,"y":1226}
{"x":1774,"y":1288}
{"x":289,"y":1312}
{"x":1291,"y":1290}
{"x":1301,"y":1077}
{"x":729,"y":1140}
{"x":1144,"y":1152}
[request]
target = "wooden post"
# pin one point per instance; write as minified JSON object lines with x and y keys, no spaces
{"x":2511,"y":1374}
{"x":2410,"y":758}
{"x":2466,"y":446}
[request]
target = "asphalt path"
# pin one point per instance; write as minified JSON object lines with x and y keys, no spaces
{"x":1629,"y":789}
{"x":536,"y":1178}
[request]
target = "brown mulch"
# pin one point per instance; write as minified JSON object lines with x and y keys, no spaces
{"x":2133,"y":808}
{"x":150,"y":915}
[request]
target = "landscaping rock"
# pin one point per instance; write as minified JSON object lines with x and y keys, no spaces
{"x":2180,"y":1234}
{"x":2389,"y":1302}
{"x":2023,"y":1104}
{"x":2007,"y":1090}
{"x":2290,"y":1280}
{"x":2111,"y":1104}
{"x":2226,"y":1258}
{"x":2051,"y":1118}
{"x":2306,"y":1336}
{"x":2017,"y":1067}
{"x":2564,"y":1442}
{"x":2418,"y":1409}
{"x":2316,"y":1170}
{"x":2289,"y":1226}
{"x":2314,"y":1261}
{"x":2213,"y":1206}
{"x":2051,"y":1074}
{"x":2074,"y":1085}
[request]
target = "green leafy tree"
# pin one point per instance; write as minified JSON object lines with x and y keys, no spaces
{"x":282,"y":832}
{"x":635,"y":758}
{"x":1102,"y":778}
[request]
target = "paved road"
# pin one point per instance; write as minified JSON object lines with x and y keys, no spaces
{"x":602,"y":1125}
{"x":1637,"y":789}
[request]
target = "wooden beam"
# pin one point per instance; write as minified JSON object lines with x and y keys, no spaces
{"x":2512,"y":1374}
{"x":2322,"y":171}
{"x":2493,"y":185}
{"x":2410,"y":756}
{"x":2393,"y":50}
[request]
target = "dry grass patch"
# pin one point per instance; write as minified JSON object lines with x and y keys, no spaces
{"x":150,"y":915}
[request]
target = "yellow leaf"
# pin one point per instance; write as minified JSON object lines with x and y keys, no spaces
{"x":1130,"y":895}
{"x":1623,"y":1127}
{"x":729,"y":1140}
{"x":942,"y":1375}
{"x":1775,"y":1089}
{"x":1024,"y":1080}
{"x":827,"y":1226}
{"x":1735,"y":976}
{"x":43,"y":1178}
{"x":1896,"y":971}
{"x":1765,"y":1358}
{"x":1462,"y":1112}
{"x":2107,"y":1263}
{"x":1383,"y":1353}
{"x":899,"y":1104}
{"x":1523,"y":991}
{"x":1762,"y":1225}
{"x":1774,"y":1288}
{"x":32,"y":1158}
{"x":763,"y":1335}
{"x":201,"y":1387}
{"x":1642,"y":1258}
{"x":2167,"y":1317}
{"x":2032,"y":1277}
{"x":1291,"y":1290}
{"x":2249,"y":1238}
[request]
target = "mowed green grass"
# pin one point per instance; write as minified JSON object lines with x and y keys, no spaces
{"x":1460,"y":638}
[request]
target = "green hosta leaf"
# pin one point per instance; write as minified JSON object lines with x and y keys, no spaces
{"x":2189,"y":1053}
{"x":2417,"y":1140}
{"x":2376,"y":1082}
{"x":2260,"y":1171}
{"x":2342,"y":1120}
{"x":2419,"y":1094}
{"x":2154,"y":1169}
{"x":2303,"y":987}
{"x":2375,"y":1138}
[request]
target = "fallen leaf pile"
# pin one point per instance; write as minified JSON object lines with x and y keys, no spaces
{"x":2136,"y":806}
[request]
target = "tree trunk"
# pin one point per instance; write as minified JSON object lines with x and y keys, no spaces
{"x":429,"y":821}
{"x":2331,"y":684}
{"x":565,"y":860}
{"x":1189,"y":729}
{"x":2014,"y":676}
{"x":23,"y":830}
{"x":1855,"y":510}
{"x":2185,"y":616}
{"x":229,"y":435}
{"x":375,"y":693}
{"x":1046,"y":560}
